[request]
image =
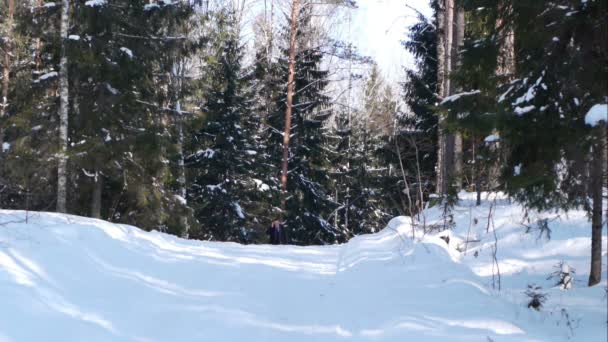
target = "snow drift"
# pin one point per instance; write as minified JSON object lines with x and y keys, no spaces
{"x":67,"y":278}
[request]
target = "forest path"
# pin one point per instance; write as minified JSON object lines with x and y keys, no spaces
{"x":68,"y":278}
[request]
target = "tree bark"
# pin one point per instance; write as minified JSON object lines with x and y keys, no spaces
{"x":177,"y":76}
{"x":181,"y":179}
{"x":270,"y":33}
{"x":8,"y":50}
{"x":459,"y":30}
{"x":289,"y":108}
{"x":440,"y":94}
{"x":505,"y":70}
{"x":597,"y":186}
{"x":63,"y":111}
{"x":505,"y":66}
{"x":445,"y":156}
{"x":38,"y":49}
{"x":449,"y":39}
{"x":6,"y":71}
{"x":476,"y":172}
{"x":96,"y":195}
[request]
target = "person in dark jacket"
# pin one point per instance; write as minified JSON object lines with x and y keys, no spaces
{"x":277,"y":233}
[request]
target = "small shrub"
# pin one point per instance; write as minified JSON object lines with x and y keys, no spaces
{"x":536,"y":298}
{"x":542,"y":226}
{"x":563,"y":275}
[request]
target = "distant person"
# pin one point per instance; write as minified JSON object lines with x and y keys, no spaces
{"x":276,"y":232}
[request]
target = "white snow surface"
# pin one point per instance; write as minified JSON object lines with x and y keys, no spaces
{"x":95,"y":3}
{"x":260,"y":185}
{"x":596,"y":114}
{"x":68,"y":278}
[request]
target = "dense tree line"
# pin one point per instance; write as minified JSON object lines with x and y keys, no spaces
{"x":153,"y":113}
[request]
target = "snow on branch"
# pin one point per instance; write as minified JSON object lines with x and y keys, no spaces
{"x":597,"y":114}
{"x":456,"y":97}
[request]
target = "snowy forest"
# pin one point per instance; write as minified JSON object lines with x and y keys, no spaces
{"x":208,"y":121}
{"x":160,"y":114}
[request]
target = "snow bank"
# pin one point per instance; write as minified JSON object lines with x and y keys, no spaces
{"x":67,"y":278}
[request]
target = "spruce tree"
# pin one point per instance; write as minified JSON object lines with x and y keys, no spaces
{"x":420,"y":91}
{"x":222,"y":168}
{"x":122,"y":130}
{"x":308,"y":205}
{"x":562,"y":68}
{"x":29,"y":124}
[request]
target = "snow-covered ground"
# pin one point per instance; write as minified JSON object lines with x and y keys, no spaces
{"x":66,"y":278}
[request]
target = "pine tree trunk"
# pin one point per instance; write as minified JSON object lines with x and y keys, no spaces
{"x":96,"y":195}
{"x":440,"y":94}
{"x":63,"y":111}
{"x":597,"y":186}
{"x":288,"y":110}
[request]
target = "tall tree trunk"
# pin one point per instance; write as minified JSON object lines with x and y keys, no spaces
{"x":505,"y":70}
{"x":459,"y":30}
{"x":176,"y":80}
{"x":449,"y":40}
{"x":38,"y":44}
{"x":181,"y":179}
{"x":446,"y":141}
{"x":96,"y":195}
{"x":505,"y":63}
{"x":597,"y":186}
{"x":6,"y":67}
{"x":6,"y":72}
{"x":440,"y":94}
{"x":476,"y":172}
{"x":63,"y":110}
{"x":288,"y":110}
{"x":269,"y":32}
{"x":448,"y":153}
